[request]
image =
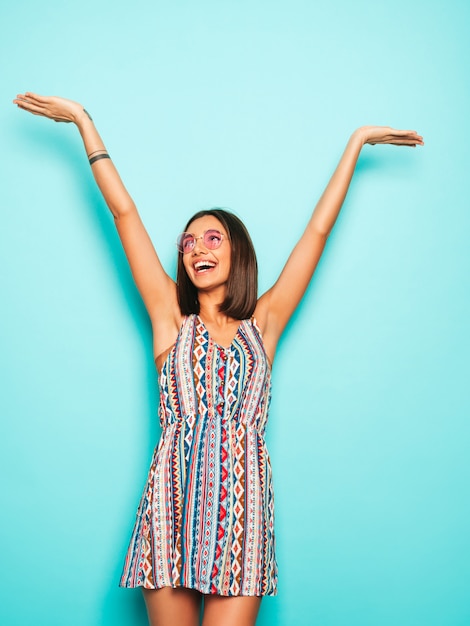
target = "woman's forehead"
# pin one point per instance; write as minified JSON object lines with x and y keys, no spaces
{"x":201,"y":224}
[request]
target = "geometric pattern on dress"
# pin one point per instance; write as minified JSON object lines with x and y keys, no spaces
{"x":206,"y":517}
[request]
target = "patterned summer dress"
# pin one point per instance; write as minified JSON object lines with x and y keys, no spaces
{"x":206,"y":518}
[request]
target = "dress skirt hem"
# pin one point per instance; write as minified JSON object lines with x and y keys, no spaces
{"x":203,"y":591}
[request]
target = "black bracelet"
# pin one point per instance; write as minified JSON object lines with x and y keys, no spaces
{"x":98,"y":157}
{"x":96,"y":152}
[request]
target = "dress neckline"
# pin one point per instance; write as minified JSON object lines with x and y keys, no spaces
{"x":197,"y":319}
{"x":164,"y":355}
{"x":212,"y":340}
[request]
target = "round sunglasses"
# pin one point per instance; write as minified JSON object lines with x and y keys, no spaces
{"x":211,"y":238}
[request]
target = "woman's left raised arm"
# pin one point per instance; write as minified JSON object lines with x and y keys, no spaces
{"x":277,"y":305}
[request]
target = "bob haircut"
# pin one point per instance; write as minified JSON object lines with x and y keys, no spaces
{"x":242,"y":284}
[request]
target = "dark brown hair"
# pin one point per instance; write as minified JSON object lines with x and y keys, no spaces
{"x":242,"y":285}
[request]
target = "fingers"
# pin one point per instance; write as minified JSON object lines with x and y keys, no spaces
{"x":39,"y":105}
{"x":387,"y":135}
{"x":30,"y":106}
{"x":395,"y":137}
{"x":57,"y":109}
{"x":406,"y":137}
{"x":29,"y":98}
{"x":27,"y":106}
{"x":408,"y":140}
{"x":34,"y":97}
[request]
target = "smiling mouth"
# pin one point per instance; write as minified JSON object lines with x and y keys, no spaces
{"x":203,"y":266}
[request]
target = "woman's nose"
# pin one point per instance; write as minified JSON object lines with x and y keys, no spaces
{"x":199,"y":244}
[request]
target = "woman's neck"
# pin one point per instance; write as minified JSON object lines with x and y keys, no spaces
{"x":212,"y":315}
{"x":209,"y":308}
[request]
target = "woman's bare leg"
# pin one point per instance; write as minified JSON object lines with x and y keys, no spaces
{"x":168,"y":606}
{"x":230,"y":611}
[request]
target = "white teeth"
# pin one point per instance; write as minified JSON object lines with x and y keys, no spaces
{"x":203,"y":264}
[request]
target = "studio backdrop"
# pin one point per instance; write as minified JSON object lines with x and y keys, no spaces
{"x":247,"y":106}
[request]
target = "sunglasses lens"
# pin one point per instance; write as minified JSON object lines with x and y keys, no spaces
{"x":212,"y":239}
{"x":185,"y":242}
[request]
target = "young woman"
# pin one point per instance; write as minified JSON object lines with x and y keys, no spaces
{"x":204,"y":528}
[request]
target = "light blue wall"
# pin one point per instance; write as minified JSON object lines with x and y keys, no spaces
{"x":246,"y":105}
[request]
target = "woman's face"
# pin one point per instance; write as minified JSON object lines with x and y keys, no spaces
{"x":207,"y":269}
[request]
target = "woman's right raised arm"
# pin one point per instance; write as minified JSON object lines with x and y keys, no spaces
{"x":157,"y":289}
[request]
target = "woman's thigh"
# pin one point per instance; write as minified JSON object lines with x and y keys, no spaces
{"x":168,"y":606}
{"x":230,"y":611}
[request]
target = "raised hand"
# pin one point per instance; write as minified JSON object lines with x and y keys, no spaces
{"x":57,"y":109}
{"x":156,"y":287}
{"x":277,"y":305}
{"x":386,"y":135}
